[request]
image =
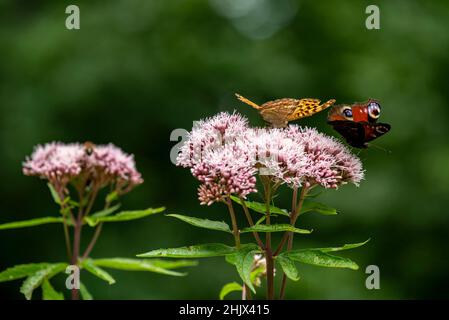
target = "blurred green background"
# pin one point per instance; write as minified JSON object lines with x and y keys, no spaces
{"x":136,"y":70}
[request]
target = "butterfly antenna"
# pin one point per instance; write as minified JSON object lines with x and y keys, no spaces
{"x":381,"y":148}
{"x":247,"y":101}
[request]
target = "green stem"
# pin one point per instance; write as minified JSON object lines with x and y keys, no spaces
{"x":268,"y":250}
{"x":251,"y":223}
{"x":76,"y":249}
{"x":296,"y":209}
{"x":235,"y":229}
{"x":94,"y":239}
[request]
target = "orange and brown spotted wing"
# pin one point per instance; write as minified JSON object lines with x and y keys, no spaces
{"x":277,"y":112}
{"x":308,"y":107}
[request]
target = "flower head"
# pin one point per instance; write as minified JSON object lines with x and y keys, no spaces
{"x":211,"y":134}
{"x":61,"y":163}
{"x":223,"y":172}
{"x":327,"y":162}
{"x":113,"y":165}
{"x":56,"y":162}
{"x":224,"y":154}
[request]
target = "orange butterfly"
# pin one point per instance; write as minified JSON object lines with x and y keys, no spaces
{"x":279,"y":112}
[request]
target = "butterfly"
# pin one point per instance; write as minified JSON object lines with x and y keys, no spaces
{"x":357,"y":123}
{"x":279,"y":112}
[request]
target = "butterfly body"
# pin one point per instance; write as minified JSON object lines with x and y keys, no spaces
{"x":89,"y":147}
{"x":357,"y":123}
{"x":279,"y":112}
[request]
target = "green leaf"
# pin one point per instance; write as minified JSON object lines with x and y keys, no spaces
{"x":275,"y":228}
{"x":344,"y":247}
{"x":90,"y":266}
{"x":30,"y":223}
{"x":319,"y":258}
{"x":203,"y":223}
{"x":49,"y":293}
{"x":134,"y":265}
{"x":21,"y":271}
{"x":195,"y":251}
{"x":35,"y":280}
{"x":54,"y":194}
{"x":228,"y":288}
{"x":105,"y":212}
{"x":309,"y":206}
{"x":243,"y":261}
{"x":85,"y":294}
{"x":123,"y":216}
{"x":262,"y":219}
{"x":112,"y":197}
{"x":260,"y":207}
{"x":289,"y":268}
{"x":173,"y":264}
{"x":256,"y":273}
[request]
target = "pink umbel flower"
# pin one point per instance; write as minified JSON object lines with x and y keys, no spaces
{"x":327,"y":162}
{"x":224,"y":171}
{"x":217,"y":159}
{"x":273,"y":152}
{"x":56,"y":162}
{"x":224,"y":154}
{"x":113,"y":165}
{"x":210,"y":134}
{"x":61,"y":163}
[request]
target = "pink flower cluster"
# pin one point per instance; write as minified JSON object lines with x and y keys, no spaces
{"x":225,"y":155}
{"x":61,"y":163}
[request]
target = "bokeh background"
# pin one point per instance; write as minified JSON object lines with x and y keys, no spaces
{"x":136,"y":70}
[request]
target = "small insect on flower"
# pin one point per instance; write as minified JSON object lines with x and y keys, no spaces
{"x":279,"y":112}
{"x":357,"y":123}
{"x":89,"y":147}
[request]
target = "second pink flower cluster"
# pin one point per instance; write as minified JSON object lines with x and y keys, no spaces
{"x":225,"y":154}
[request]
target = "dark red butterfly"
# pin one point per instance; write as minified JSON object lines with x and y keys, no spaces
{"x":357,"y":123}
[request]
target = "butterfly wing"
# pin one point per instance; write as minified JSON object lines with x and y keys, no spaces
{"x":375,"y":130}
{"x":277,"y":112}
{"x":353,"y":132}
{"x":357,"y":134}
{"x":308,"y":107}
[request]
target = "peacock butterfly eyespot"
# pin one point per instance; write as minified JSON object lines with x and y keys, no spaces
{"x":347,"y":113}
{"x":374,"y":110}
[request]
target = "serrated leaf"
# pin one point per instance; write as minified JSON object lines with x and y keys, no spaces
{"x":243,"y":261}
{"x":54,"y":194}
{"x":30,"y":223}
{"x":289,"y":268}
{"x":275,"y":228}
{"x":105,"y":212}
{"x":90,"y":266}
{"x":344,"y":247}
{"x":49,"y":293}
{"x":123,"y":216}
{"x":319,"y":258}
{"x":261,"y":207}
{"x":21,"y":271}
{"x":134,"y":265}
{"x":85,"y":294}
{"x":195,"y":251}
{"x":203,"y":223}
{"x":35,"y":280}
{"x":313,"y":206}
{"x":228,"y":288}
